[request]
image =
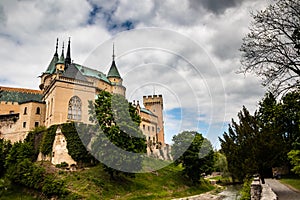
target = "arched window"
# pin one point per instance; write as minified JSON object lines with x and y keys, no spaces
{"x":38,"y":111}
{"x":74,"y":108}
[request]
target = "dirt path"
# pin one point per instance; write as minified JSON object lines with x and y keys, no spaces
{"x":283,"y":192}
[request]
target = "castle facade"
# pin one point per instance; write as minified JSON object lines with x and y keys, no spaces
{"x":65,"y":90}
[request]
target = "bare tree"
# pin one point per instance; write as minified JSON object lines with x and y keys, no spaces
{"x":272,"y":48}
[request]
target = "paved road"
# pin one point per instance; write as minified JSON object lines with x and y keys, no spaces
{"x":282,"y":191}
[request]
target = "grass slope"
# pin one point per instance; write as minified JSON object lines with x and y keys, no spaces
{"x":95,"y":183}
{"x":166,"y":183}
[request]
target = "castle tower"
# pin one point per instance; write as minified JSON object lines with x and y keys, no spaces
{"x":114,"y":77}
{"x":155,"y":105}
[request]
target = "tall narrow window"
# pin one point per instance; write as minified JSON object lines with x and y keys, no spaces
{"x":25,"y":111}
{"x":51,"y":107}
{"x":74,"y":108}
{"x":38,"y":111}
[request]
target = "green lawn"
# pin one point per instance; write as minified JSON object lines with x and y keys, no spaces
{"x":293,"y":181}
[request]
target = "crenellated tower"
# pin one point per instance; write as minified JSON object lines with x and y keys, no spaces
{"x":154,"y":103}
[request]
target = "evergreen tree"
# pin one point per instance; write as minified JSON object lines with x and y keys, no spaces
{"x":251,"y":146}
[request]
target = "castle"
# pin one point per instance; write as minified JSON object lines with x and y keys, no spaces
{"x":65,"y":90}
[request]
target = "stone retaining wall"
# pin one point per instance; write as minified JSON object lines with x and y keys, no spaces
{"x":261,"y":191}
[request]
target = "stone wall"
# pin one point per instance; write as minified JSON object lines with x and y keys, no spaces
{"x":256,"y":189}
{"x":261,"y":191}
{"x":59,"y":150}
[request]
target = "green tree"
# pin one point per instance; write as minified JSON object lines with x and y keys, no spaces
{"x":119,"y":143}
{"x":294,"y":156}
{"x":250,"y":146}
{"x":290,"y":119}
{"x":272,"y":48}
{"x":195,"y":153}
{"x":5,"y":147}
{"x":221,"y":164}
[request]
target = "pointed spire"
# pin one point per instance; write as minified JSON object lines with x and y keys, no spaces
{"x":62,"y":57}
{"x":55,"y":54}
{"x":68,"y":56}
{"x":113,"y":71}
{"x":113,"y":55}
{"x":51,"y":66}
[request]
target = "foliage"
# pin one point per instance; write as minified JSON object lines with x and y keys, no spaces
{"x":246,"y":190}
{"x":48,"y":139}
{"x":294,"y":156}
{"x":166,"y":183}
{"x":198,"y":157}
{"x":249,"y":148}
{"x":54,"y":187}
{"x":27,"y":173}
{"x":289,"y":119}
{"x":5,"y":147}
{"x":272,"y":48}
{"x":34,"y":138}
{"x":20,"y":169}
{"x":221,"y":164}
{"x":18,"y":152}
{"x":62,"y":165}
{"x":119,"y":143}
{"x":74,"y":144}
{"x":258,"y":143}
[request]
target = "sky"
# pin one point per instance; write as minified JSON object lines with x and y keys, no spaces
{"x":187,"y":50}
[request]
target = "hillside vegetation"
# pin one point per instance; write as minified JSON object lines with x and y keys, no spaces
{"x":95,"y":183}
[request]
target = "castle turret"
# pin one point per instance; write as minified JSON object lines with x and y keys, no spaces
{"x":60,"y":65}
{"x":155,"y":105}
{"x":50,"y":69}
{"x":114,"y":77}
{"x":51,"y":66}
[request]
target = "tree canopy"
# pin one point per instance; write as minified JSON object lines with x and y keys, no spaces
{"x":258,"y":142}
{"x":119,"y":143}
{"x":198,"y":158}
{"x":272,"y":48}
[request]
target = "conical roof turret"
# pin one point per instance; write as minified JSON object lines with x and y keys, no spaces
{"x":51,"y":66}
{"x":62,"y":57}
{"x":113,"y":71}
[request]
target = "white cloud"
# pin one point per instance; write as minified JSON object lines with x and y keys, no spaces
{"x":191,"y":60}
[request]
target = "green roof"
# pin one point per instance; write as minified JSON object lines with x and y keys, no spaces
{"x":92,"y":73}
{"x":147,"y":111}
{"x":20,"y":97}
{"x":113,"y":71}
{"x":51,"y":68}
{"x":61,"y":60}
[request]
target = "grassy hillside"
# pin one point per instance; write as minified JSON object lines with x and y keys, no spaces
{"x":94,"y":183}
{"x":166,"y":183}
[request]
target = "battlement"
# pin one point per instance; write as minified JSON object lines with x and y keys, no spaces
{"x":153,"y":99}
{"x":152,"y":96}
{"x":9,"y":103}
